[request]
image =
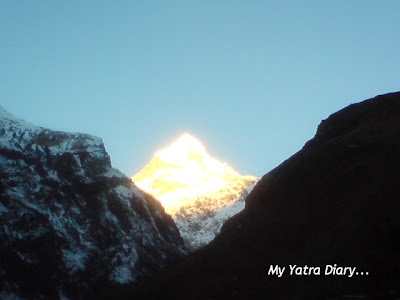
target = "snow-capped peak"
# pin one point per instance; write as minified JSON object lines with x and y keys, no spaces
{"x":193,"y":186}
{"x":182,"y":171}
{"x":185,"y":148}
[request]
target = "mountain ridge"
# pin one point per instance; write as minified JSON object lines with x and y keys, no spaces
{"x":335,"y":201}
{"x":72,"y":225}
{"x":196,"y":189}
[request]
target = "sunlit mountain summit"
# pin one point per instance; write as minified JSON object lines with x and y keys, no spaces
{"x":199,"y":191}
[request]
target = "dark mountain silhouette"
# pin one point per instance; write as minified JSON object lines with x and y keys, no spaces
{"x":336,"y":201}
{"x":72,"y":226}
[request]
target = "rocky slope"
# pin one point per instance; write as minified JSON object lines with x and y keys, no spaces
{"x":71,"y":225}
{"x":335,"y":202}
{"x":198,"y":191}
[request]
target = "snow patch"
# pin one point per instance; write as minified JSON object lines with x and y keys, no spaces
{"x":121,"y":274}
{"x":126,"y":260}
{"x":110,"y":216}
{"x":123,"y":191}
{"x":112,"y":172}
{"x":74,"y":261}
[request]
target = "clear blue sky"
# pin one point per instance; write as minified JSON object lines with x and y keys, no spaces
{"x":251,"y":79}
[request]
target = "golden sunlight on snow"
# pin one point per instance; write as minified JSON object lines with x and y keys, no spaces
{"x":183,"y":171}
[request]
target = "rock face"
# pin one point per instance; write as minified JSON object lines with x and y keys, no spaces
{"x":71,"y":225}
{"x":336,"y":201}
{"x":198,"y":191}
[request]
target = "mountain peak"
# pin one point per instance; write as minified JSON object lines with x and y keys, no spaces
{"x":181,"y":171}
{"x":8,"y":119}
{"x":184,"y":148}
{"x":193,"y":187}
{"x":334,"y":201}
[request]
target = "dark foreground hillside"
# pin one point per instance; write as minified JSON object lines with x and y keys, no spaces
{"x":336,"y":201}
{"x":72,"y":226}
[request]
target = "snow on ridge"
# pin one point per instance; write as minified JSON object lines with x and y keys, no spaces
{"x":71,"y":142}
{"x":6,"y":115}
{"x":230,"y":210}
{"x":76,"y":143}
{"x":198,"y":227}
{"x":124,"y":191}
{"x":113,"y":172}
{"x":250,"y":187}
{"x":9,"y":119}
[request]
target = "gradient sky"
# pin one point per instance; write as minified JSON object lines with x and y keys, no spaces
{"x":250,"y":79}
